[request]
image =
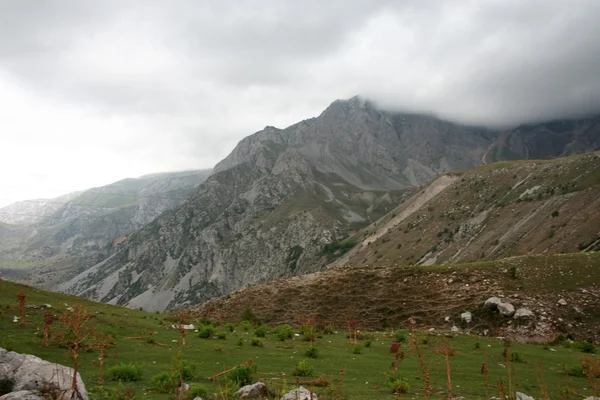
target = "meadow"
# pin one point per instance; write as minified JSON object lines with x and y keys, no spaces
{"x":356,"y":367}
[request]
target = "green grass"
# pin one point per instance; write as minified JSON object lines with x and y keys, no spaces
{"x":276,"y":361}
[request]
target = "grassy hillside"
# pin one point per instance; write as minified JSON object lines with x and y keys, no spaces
{"x":364,"y":367}
{"x":491,"y":212}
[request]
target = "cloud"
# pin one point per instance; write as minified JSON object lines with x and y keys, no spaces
{"x":91,"y":93}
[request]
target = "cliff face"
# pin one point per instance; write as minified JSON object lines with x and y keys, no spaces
{"x":276,"y":200}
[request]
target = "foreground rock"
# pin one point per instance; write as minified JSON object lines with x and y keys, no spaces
{"x":466,"y":316}
{"x":259,"y":389}
{"x":523,"y":314}
{"x":29,"y":373}
{"x":506,"y":309}
{"x":300,"y":394}
{"x":523,"y":396}
{"x":492,"y":303}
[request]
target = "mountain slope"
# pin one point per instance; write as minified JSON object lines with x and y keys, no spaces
{"x":31,"y":211}
{"x":547,"y":140}
{"x":72,"y":232}
{"x":276,"y":200}
{"x":491,"y":212}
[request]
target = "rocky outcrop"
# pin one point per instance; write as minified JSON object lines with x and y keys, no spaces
{"x":30,"y":375}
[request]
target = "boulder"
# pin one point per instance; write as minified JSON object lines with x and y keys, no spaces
{"x":23,"y":395}
{"x":523,"y":396}
{"x":31,"y":373}
{"x":506,"y":309}
{"x":259,"y":389}
{"x":492,"y":303}
{"x":300,"y":394}
{"x":523,"y":313}
{"x":455,"y":329}
{"x":466,"y":316}
{"x":562,"y":302}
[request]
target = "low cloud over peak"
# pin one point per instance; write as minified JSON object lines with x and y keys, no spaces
{"x":96,"y":92}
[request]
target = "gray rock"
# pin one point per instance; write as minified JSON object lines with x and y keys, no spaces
{"x":197,"y":398}
{"x":31,"y":373}
{"x":587,"y":398}
{"x":523,"y":396}
{"x":492,"y":303}
{"x":562,"y":302}
{"x":300,"y":394}
{"x":523,"y":313}
{"x":506,"y":309}
{"x":466,"y":316}
{"x":455,"y":329}
{"x":23,"y":395}
{"x":259,"y":389}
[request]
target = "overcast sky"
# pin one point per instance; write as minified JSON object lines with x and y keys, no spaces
{"x":95,"y":91}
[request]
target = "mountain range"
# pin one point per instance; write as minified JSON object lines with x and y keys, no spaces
{"x":292,"y":201}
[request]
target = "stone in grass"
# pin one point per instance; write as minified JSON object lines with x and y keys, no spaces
{"x":300,"y":394}
{"x":492,"y":302}
{"x":259,"y":389}
{"x":523,"y":313}
{"x":523,"y":396}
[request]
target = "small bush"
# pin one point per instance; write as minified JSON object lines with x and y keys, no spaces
{"x":222,"y":335}
{"x":284,"y":332}
{"x":577,"y":371}
{"x":125,"y":373}
{"x":477,"y":346}
{"x":242,"y":376}
{"x":555,"y":214}
{"x":245,"y":325}
{"x":312,"y":352}
{"x":229,"y":327}
{"x":329,"y":329}
{"x":586,"y":347}
{"x":368,"y":343}
{"x":256,"y":342}
{"x":357,"y":349}
{"x":517,"y":357}
{"x":425,"y":340}
{"x":303,"y":368}
{"x":188,"y":369}
{"x":400,"y":337}
{"x":165,"y":382}
{"x":398,"y":385}
{"x":240,"y":342}
{"x":197,"y":391}
{"x":260,"y":332}
{"x":207,"y":332}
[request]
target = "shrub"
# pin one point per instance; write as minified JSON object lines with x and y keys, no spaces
{"x":555,"y":214}
{"x":398,"y":385}
{"x":260,"y":332}
{"x":357,"y":349}
{"x":229,"y":327}
{"x":207,"y":331}
{"x":240,"y":342}
{"x":197,"y":391}
{"x":242,"y":376}
{"x":125,"y":373}
{"x":256,"y":342}
{"x":425,"y":339}
{"x":329,"y":329}
{"x":248,"y":315}
{"x":312,"y":352}
{"x":516,"y":357}
{"x":165,"y":382}
{"x":576,"y":370}
{"x":477,"y":346}
{"x":303,"y":368}
{"x":245,"y":325}
{"x":284,"y":332}
{"x":586,"y":347}
{"x":222,"y":335}
{"x":368,"y":343}
{"x":188,"y":369}
{"x":400,"y":337}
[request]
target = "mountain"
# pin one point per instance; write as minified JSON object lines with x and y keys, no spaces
{"x":31,"y":211}
{"x":526,"y":231}
{"x":547,"y":140}
{"x":276,"y":200}
{"x":76,"y":226}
